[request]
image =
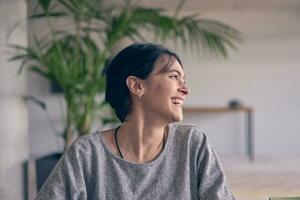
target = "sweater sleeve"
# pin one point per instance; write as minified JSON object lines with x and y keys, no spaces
{"x":211,"y":177}
{"x":66,"y":180}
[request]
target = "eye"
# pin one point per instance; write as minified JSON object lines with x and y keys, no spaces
{"x":175,"y":77}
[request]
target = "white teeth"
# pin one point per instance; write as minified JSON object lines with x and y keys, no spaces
{"x":177,"y":101}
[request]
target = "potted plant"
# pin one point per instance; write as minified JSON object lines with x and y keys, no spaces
{"x":75,"y":57}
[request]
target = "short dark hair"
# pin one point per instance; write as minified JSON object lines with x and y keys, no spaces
{"x":137,"y":60}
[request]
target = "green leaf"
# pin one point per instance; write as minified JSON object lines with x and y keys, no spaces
{"x":106,"y":121}
{"x":41,"y":72}
{"x":38,"y":102}
{"x":45,"y":4}
{"x":18,"y":47}
{"x":48,"y":14}
{"x":22,"y":66}
{"x":179,"y":7}
{"x":18,"y":57}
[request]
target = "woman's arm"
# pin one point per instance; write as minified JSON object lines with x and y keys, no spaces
{"x":212,"y":181}
{"x":66,"y":180}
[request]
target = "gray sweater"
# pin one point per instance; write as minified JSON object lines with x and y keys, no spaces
{"x":187,"y":168}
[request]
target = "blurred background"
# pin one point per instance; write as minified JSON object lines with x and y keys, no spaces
{"x":262,"y":75}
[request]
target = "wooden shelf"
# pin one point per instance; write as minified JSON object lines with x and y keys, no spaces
{"x":248,"y":123}
{"x":216,"y":109}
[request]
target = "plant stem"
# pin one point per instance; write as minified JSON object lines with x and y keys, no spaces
{"x":69,"y":129}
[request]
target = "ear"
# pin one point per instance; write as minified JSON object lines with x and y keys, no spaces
{"x":135,"y":86}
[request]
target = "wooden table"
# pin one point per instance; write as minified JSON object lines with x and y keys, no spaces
{"x":248,"y":122}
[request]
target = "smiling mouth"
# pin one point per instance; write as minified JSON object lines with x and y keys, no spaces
{"x":177,"y":102}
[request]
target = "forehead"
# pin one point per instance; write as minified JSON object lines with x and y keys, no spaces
{"x":166,"y":63}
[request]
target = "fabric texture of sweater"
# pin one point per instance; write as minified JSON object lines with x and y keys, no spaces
{"x":187,"y":168}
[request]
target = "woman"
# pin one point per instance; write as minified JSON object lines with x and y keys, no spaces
{"x":146,"y":157}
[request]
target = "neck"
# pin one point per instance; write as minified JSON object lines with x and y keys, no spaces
{"x":139,"y":141}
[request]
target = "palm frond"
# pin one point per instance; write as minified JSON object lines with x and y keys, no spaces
{"x":207,"y":34}
{"x":76,"y":59}
{"x":48,"y":14}
{"x":45,"y":4}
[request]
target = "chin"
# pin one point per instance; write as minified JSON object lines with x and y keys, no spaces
{"x":177,"y":118}
{"x":174,"y":115}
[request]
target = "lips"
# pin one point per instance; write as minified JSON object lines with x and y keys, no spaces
{"x":177,"y":101}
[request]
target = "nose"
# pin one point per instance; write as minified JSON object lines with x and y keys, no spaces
{"x":183,"y":89}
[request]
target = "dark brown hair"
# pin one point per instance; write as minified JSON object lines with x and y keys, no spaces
{"x":137,"y":60}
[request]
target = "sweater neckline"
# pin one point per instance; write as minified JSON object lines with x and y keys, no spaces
{"x":157,"y":159}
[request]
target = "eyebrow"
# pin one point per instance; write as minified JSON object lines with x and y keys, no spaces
{"x":168,"y":68}
{"x":175,"y":70}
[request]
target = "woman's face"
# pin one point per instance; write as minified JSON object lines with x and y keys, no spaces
{"x":165,"y":90}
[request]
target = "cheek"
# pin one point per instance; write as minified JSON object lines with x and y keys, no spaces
{"x":160,"y":88}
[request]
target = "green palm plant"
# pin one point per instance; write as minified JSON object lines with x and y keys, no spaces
{"x":76,"y":58}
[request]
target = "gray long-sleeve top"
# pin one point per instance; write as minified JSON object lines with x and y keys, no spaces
{"x":187,"y":168}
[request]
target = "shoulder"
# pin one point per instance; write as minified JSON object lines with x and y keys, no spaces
{"x":192,"y":141}
{"x":190,"y":137}
{"x":86,"y":143}
{"x":84,"y":151}
{"x":88,"y":138}
{"x":191,"y":132}
{"x":187,"y":128}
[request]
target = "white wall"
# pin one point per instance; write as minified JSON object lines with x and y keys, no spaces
{"x":264,"y":74}
{"x":13,"y":110}
{"x":43,"y":125}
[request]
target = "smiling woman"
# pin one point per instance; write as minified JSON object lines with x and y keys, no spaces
{"x":147,"y":156}
{"x":165,"y":90}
